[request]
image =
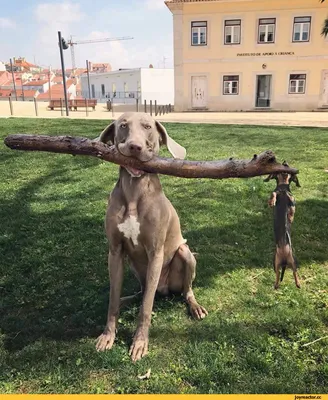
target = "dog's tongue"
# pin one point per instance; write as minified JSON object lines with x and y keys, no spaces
{"x":134,"y":172}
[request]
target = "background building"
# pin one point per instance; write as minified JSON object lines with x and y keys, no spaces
{"x":124,"y":86}
{"x":243,"y":55}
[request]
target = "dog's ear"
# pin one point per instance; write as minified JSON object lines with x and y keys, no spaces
{"x":173,"y":147}
{"x":294,"y":178}
{"x":107,"y":135}
{"x":271,"y":176}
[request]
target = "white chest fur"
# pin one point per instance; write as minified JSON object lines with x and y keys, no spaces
{"x":130,"y":229}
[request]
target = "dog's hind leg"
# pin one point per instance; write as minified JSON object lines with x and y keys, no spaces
{"x":293,"y":263}
{"x":277,"y":262}
{"x":183,"y":273}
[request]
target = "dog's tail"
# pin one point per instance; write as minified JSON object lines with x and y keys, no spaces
{"x":284,"y":265}
{"x":283,"y":269}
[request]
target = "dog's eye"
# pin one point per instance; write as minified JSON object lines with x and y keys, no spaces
{"x":123,"y":126}
{"x":147,"y":126}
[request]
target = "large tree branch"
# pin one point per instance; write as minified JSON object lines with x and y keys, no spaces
{"x":263,"y":164}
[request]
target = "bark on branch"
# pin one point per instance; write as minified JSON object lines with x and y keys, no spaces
{"x":262,"y":164}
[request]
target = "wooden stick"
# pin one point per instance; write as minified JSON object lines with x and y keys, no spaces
{"x":263,"y":164}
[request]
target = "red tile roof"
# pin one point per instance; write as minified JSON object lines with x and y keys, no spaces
{"x":35,"y":83}
{"x":57,"y":79}
{"x":5,"y":92}
{"x":27,"y":93}
{"x":70,"y":82}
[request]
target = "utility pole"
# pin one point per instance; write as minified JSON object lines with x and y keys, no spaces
{"x":88,"y":79}
{"x":63,"y":46}
{"x":49,"y":82}
{"x":13,"y":76}
{"x":22,"y":88}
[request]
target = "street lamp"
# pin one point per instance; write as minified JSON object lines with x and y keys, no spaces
{"x":63,"y":46}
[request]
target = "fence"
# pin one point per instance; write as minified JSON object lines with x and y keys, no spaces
{"x":76,"y":106}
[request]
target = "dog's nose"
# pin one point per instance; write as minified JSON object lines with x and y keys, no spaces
{"x":135,"y":148}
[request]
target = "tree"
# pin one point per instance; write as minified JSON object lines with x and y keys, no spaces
{"x":324,"y":30}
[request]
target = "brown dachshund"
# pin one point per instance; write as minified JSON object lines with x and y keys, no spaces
{"x":284,"y":210}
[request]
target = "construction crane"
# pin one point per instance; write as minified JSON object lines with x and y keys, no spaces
{"x":73,"y":43}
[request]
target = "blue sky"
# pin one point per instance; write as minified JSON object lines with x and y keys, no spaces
{"x":29,"y":28}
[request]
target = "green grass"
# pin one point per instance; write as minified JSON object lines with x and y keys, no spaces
{"x":54,"y":280}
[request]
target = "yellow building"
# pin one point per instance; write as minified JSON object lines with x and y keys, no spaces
{"x":239,"y":55}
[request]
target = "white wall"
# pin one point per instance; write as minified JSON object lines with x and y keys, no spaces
{"x":157,"y":84}
{"x":130,"y":77}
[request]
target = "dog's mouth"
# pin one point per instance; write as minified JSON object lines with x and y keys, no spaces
{"x":135,"y":173}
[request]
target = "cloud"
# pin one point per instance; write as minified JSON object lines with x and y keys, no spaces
{"x":154,"y":4}
{"x":7,"y":23}
{"x":63,"y":13}
{"x":122,"y":54}
{"x":54,"y":17}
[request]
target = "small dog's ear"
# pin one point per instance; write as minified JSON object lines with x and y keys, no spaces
{"x":294,"y":178}
{"x":271,"y":176}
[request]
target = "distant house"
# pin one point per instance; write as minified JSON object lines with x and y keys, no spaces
{"x":127,"y":85}
{"x":56,"y":91}
{"x":26,"y":95}
{"x":21,"y":65}
{"x":41,"y":86}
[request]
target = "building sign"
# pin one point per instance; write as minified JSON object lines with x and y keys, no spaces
{"x":270,"y":54}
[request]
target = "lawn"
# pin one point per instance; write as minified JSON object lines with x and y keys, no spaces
{"x":54,"y":279}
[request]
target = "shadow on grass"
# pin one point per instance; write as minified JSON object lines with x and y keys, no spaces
{"x":249,"y":243}
{"x":55,"y":281}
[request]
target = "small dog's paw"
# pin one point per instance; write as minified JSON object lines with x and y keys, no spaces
{"x":272,"y":203}
{"x":105,"y":341}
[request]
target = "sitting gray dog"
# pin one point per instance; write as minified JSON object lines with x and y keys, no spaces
{"x":142,"y":224}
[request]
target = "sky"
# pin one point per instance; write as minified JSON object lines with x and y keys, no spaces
{"x":29,"y":29}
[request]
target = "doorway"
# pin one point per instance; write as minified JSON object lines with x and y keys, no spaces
{"x":263,"y":91}
{"x":199,"y":91}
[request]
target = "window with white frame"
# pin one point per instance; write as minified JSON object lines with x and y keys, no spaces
{"x":297,"y":83}
{"x":232,"y":31}
{"x":199,"y":33}
{"x":230,"y":84}
{"x":102,"y":89}
{"x":267,"y":27}
{"x":301,"y":31}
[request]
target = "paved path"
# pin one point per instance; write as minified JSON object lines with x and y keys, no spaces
{"x":317,"y":119}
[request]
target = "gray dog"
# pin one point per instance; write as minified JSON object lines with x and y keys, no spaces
{"x":142,"y":224}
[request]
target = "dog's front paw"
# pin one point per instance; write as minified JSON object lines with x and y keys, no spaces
{"x":198,"y":311}
{"x":272,"y":202}
{"x":105,"y":341}
{"x":139,"y":347}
